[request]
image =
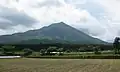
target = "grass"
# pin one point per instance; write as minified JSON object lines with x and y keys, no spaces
{"x":109,"y":52}
{"x":59,"y":65}
{"x":78,"y":57}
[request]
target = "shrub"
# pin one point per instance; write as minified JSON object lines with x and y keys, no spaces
{"x":27,"y":52}
{"x":8,"y":50}
{"x":79,"y":57}
{"x":42,"y":52}
{"x":97,"y":50}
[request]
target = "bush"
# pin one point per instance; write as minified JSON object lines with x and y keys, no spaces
{"x":42,"y":52}
{"x":78,"y":57}
{"x":52,"y":49}
{"x":116,"y":45}
{"x":97,"y":50}
{"x":27,"y":52}
{"x":68,"y":51}
{"x":8,"y":50}
{"x":1,"y":51}
{"x":60,"y":54}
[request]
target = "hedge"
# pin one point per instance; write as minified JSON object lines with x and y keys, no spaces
{"x":76,"y":57}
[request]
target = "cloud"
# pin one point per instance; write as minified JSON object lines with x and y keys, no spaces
{"x":50,"y":3}
{"x":50,"y":13}
{"x":112,"y":18}
{"x":10,"y":17}
{"x":105,"y":14}
{"x":100,"y":18}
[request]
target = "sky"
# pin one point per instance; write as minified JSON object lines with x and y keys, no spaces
{"x":98,"y":18}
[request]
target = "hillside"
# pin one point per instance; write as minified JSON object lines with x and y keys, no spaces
{"x":57,"y":32}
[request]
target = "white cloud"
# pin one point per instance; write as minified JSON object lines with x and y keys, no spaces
{"x":112,"y":18}
{"x":100,"y":17}
{"x":11,"y":17}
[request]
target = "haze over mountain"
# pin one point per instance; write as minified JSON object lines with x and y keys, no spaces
{"x":55,"y":33}
{"x":98,"y":18}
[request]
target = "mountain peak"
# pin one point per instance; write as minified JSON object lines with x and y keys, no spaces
{"x":59,"y":25}
{"x":56,"y":31}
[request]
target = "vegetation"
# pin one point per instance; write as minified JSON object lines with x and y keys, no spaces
{"x":42,"y":52}
{"x":97,"y":50}
{"x":51,"y":49}
{"x":59,"y":65}
{"x":7,"y":50}
{"x":58,"y":39}
{"x":116,"y":45}
{"x":27,"y":52}
{"x":54,"y":50}
{"x":55,"y":33}
{"x":78,"y":57}
{"x":65,"y":50}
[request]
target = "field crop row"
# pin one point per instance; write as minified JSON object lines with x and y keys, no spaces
{"x":59,"y":65}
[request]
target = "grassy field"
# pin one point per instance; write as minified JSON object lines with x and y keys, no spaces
{"x":59,"y":65}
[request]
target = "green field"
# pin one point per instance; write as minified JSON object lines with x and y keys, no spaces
{"x":59,"y":65}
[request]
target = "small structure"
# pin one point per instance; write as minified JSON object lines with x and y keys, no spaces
{"x":56,"y":52}
{"x":9,"y":57}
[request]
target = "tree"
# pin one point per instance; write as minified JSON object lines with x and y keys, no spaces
{"x":68,"y":51}
{"x":42,"y":51}
{"x":82,"y":49}
{"x":27,"y":51}
{"x":116,"y":45}
{"x":60,"y":50}
{"x":8,"y":50}
{"x":96,"y":50}
{"x":50,"y":50}
{"x":1,"y":51}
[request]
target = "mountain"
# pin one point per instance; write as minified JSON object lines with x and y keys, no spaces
{"x":54,"y":33}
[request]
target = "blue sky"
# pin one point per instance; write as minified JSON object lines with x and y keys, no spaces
{"x":98,"y":18}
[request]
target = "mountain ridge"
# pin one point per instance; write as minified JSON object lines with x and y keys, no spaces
{"x":56,"y":31}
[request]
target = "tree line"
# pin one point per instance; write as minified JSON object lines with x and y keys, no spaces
{"x":50,"y":49}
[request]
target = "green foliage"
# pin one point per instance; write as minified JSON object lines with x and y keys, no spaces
{"x":97,"y":50}
{"x":116,"y":45}
{"x":82,"y":49}
{"x":27,"y":51}
{"x":8,"y":50}
{"x":68,"y":51}
{"x":52,"y":49}
{"x":60,"y":50}
{"x":1,"y":51}
{"x":42,"y":51}
{"x":79,"y":57}
{"x":55,"y":33}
